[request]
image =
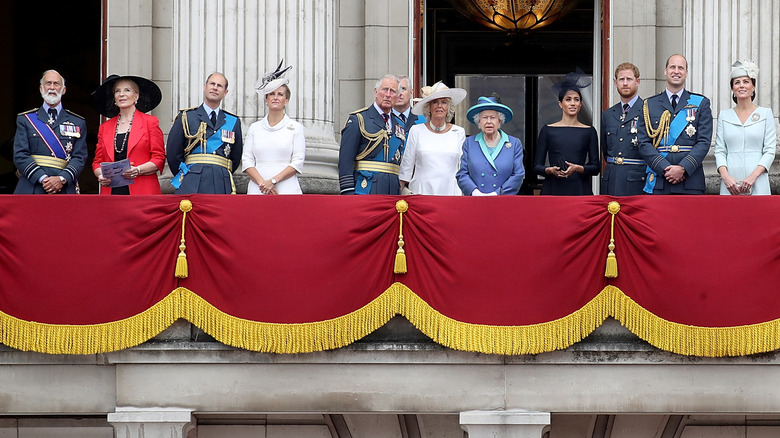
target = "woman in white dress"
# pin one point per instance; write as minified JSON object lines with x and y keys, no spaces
{"x":432,"y":152}
{"x":746,"y":138}
{"x":275,"y":146}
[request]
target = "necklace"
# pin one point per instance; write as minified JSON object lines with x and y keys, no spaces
{"x":127,"y":133}
{"x":438,"y":128}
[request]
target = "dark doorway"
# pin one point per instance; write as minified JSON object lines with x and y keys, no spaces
{"x":44,"y":35}
{"x":460,"y":51}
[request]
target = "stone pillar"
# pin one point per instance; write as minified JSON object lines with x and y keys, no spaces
{"x":514,"y":423}
{"x":151,"y":422}
{"x":715,"y":35}
{"x":244,"y":39}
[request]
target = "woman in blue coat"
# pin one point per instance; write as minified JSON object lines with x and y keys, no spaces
{"x":492,"y":161}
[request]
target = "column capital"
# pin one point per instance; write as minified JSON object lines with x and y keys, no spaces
{"x":151,"y":422}
{"x":513,"y":423}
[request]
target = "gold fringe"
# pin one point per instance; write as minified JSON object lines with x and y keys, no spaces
{"x":397,"y":299}
{"x":611,"y":270}
{"x":400,"y":255}
{"x":182,"y":271}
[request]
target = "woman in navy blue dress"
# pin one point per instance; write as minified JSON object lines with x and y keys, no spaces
{"x":567,"y":150}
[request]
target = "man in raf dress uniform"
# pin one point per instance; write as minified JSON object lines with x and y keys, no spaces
{"x":624,"y":173}
{"x":205,"y":144}
{"x":675,"y":134}
{"x":402,"y":108}
{"x":50,"y":147}
{"x":372,"y":143}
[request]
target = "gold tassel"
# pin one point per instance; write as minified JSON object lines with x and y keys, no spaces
{"x":612,"y":270}
{"x":400,"y":255}
{"x":182,"y":270}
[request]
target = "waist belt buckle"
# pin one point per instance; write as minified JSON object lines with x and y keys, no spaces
{"x":619,"y":160}
{"x":675,"y":148}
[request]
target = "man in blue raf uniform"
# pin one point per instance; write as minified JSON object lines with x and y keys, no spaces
{"x":205,"y":144}
{"x":402,"y":107}
{"x":50,"y":147}
{"x":675,"y":133}
{"x":624,"y":173}
{"x":372,"y":143}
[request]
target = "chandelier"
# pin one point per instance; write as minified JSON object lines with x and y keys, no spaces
{"x":514,"y":15}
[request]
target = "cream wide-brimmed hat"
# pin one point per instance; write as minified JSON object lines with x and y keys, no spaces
{"x":438,"y":91}
{"x":272,"y":80}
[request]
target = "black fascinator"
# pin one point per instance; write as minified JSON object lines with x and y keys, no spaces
{"x":575,"y":80}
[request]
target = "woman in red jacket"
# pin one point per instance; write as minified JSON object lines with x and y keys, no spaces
{"x":128,"y":134}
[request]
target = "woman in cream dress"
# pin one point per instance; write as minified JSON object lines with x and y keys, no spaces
{"x":746,"y":138}
{"x":275,"y":146}
{"x":432,"y":152}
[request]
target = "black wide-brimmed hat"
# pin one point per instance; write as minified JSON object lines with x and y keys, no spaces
{"x":149,"y":95}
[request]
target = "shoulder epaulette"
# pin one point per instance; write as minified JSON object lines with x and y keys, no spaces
{"x":27,"y":112}
{"x":74,"y":114}
{"x":697,"y":94}
{"x":228,"y":112}
{"x":359,"y":111}
{"x":182,"y":111}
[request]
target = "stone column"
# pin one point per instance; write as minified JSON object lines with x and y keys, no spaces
{"x":151,"y":422}
{"x":715,"y":35}
{"x":243,"y":39}
{"x":515,"y":423}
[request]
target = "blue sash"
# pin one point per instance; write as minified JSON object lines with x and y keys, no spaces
{"x":675,"y":129}
{"x":393,"y":143}
{"x":48,"y":136}
{"x":212,"y":144}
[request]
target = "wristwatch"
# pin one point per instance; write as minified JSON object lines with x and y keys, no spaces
{"x":273,"y":181}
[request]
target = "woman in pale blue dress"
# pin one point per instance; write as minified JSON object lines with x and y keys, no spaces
{"x":746,"y":138}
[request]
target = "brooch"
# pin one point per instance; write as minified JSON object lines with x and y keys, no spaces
{"x":507,"y":145}
{"x":755,"y":117}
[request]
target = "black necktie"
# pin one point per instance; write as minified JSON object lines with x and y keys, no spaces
{"x":385,"y":117}
{"x":52,"y":114}
{"x":403,"y":117}
{"x":674,"y":101}
{"x":625,"y":108}
{"x":214,"y":119}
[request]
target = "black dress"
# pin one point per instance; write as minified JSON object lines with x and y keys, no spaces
{"x":575,"y":145}
{"x":119,"y":156}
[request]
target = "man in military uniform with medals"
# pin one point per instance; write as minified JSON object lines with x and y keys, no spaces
{"x":675,"y":134}
{"x":372,"y":143}
{"x":205,"y":144}
{"x":624,"y":174}
{"x":50,"y":148}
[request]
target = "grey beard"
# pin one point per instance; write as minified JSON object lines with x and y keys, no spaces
{"x":51,"y":99}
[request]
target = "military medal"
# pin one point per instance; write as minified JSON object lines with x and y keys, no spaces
{"x":227,"y":150}
{"x":690,"y":130}
{"x":691,"y":115}
{"x":635,"y":141}
{"x":364,"y":184}
{"x":68,"y":150}
{"x":228,"y":136}
{"x":68,"y":129}
{"x":633,"y":129}
{"x":651,"y":177}
{"x":399,"y":132}
{"x":623,"y":117}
